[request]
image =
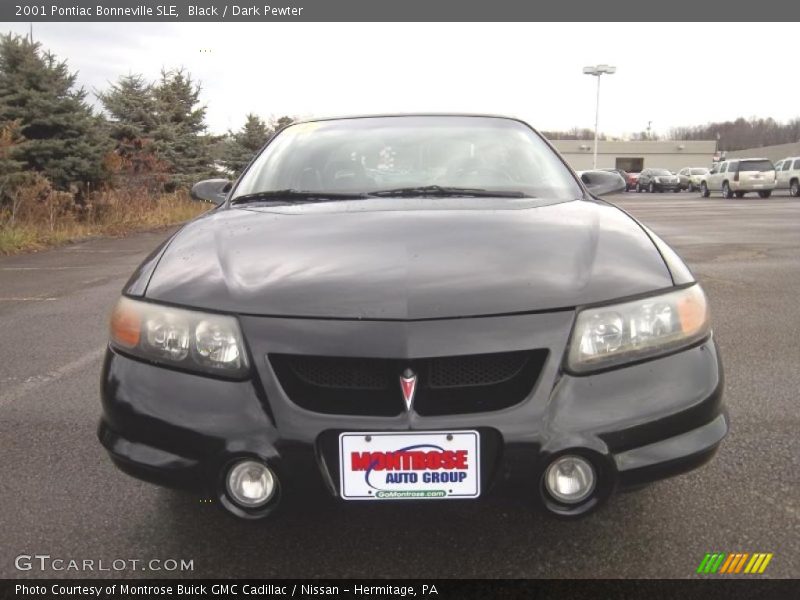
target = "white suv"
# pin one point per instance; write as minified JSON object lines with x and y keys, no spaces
{"x":739,"y":176}
{"x":787,"y":173}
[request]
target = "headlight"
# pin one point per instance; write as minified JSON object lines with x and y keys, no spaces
{"x":607,"y":336}
{"x":183,"y":338}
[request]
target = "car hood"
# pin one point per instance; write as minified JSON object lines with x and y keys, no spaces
{"x":408,"y":259}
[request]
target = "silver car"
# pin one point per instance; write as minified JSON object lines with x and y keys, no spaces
{"x":692,"y":177}
{"x":738,"y":176}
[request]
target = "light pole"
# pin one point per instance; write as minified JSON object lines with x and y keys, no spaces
{"x":597,"y":71}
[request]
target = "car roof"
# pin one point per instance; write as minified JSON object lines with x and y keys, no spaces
{"x":743,"y":158}
{"x":415,"y":114}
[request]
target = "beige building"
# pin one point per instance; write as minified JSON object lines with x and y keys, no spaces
{"x":773,"y":153}
{"x":634,"y":156}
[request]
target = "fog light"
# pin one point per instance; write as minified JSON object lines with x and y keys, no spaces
{"x":250,"y":483}
{"x":570,"y":479}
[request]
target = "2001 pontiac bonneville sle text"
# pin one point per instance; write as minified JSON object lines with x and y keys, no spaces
{"x":411,"y":307}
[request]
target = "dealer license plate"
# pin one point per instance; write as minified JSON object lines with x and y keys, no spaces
{"x":428,"y":465}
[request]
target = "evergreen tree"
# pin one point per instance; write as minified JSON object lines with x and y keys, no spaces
{"x":278,"y":124}
{"x":9,"y":140}
{"x":11,"y":173}
{"x":133,"y":121}
{"x":241,"y":146}
{"x":180,"y":139}
{"x":61,"y":137}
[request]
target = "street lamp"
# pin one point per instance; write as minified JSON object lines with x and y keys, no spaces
{"x":597,"y":71}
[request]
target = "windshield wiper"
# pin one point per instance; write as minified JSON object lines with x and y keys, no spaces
{"x":438,"y":190}
{"x":296,"y":196}
{"x":302,"y":196}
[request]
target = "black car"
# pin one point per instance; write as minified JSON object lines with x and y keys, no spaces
{"x":411,"y":307}
{"x":658,"y":180}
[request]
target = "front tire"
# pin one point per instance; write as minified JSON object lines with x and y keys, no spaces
{"x":765,"y":193}
{"x":726,"y":191}
{"x":651,"y":188}
{"x":704,"y":191}
{"x":794,"y":188}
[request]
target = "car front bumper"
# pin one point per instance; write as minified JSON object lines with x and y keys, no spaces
{"x":638,"y":424}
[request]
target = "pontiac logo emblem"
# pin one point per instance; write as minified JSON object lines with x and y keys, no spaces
{"x":408,"y":384}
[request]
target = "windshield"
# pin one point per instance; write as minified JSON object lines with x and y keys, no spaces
{"x":661,"y":172}
{"x":699,"y":171}
{"x":374,"y":154}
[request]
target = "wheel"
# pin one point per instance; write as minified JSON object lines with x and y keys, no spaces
{"x":651,"y":188}
{"x":704,"y":190}
{"x":638,"y":188}
{"x":740,"y":194}
{"x":691,"y":188}
{"x":765,"y":193}
{"x":726,"y":191}
{"x":794,"y":188}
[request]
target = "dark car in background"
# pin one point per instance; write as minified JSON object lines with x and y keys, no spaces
{"x":658,"y":180}
{"x":415,"y":307}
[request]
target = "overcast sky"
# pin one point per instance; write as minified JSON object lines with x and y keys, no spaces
{"x":665,"y":71}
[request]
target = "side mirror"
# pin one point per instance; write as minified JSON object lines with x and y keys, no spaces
{"x":211,"y":190}
{"x":600,"y":183}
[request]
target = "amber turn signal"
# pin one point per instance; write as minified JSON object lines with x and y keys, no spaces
{"x":126,"y":324}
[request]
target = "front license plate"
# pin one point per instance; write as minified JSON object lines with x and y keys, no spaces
{"x":428,"y":465}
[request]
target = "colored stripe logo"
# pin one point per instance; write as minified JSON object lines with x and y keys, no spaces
{"x":722,"y":563}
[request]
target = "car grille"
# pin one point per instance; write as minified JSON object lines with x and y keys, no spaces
{"x":445,"y":385}
{"x":343,"y":373}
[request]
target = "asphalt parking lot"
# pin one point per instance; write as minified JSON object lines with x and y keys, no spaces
{"x":62,"y":497}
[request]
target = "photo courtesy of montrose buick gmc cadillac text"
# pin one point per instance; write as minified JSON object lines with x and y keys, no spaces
{"x":417,"y":307}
